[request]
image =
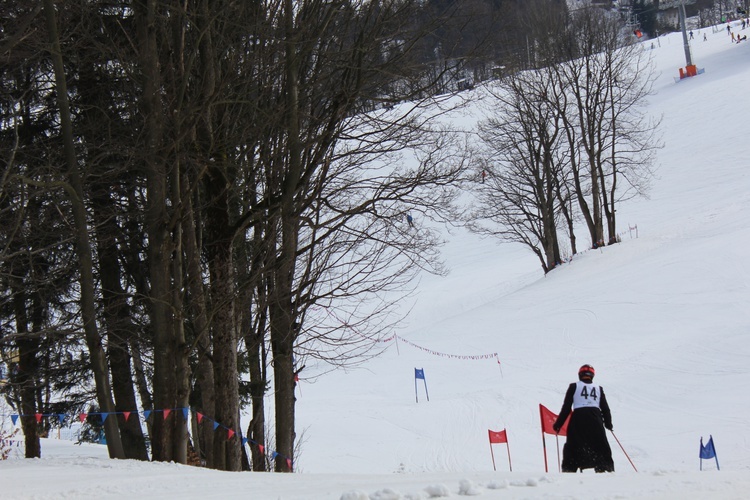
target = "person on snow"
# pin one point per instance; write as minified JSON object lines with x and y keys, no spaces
{"x":586,"y":446}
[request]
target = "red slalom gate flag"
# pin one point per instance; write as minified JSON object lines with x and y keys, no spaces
{"x":548,"y":420}
{"x":497,"y":437}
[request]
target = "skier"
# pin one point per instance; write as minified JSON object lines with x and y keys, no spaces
{"x":586,"y":445}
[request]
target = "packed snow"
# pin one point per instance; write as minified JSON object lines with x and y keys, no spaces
{"x":664,"y":317}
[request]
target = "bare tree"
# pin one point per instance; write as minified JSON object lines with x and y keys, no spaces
{"x":525,"y":159}
{"x":575,"y":129}
{"x":75,"y":190}
{"x":610,"y":137}
{"x":336,"y":60}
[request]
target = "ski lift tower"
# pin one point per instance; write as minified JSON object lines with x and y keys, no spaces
{"x":690,"y":68}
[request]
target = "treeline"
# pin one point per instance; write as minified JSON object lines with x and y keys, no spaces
{"x":194,"y":205}
{"x":199,"y":198}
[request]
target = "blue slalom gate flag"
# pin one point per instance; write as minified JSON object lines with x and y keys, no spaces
{"x":419,"y":374}
{"x":708,"y":452}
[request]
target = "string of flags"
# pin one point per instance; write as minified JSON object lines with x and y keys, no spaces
{"x":230,"y":433}
{"x":396,"y":338}
{"x":474,"y":357}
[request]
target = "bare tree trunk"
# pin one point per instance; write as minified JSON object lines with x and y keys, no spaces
{"x":120,"y":328}
{"x":83,"y":245}
{"x":182,"y":350}
{"x":199,"y":317}
{"x":226,"y":377}
{"x":252,"y":319}
{"x":26,"y":376}
{"x":255,"y":342}
{"x":156,"y":222}
{"x":281,"y":308}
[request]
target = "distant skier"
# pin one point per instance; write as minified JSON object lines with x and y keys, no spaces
{"x":586,"y":445}
{"x":410,"y":220}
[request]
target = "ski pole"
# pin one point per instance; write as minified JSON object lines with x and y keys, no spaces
{"x":623,"y":450}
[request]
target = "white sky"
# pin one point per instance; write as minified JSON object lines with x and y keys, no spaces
{"x":663,"y":317}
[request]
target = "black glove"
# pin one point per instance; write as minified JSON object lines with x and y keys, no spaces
{"x":557,"y":428}
{"x":608,"y":426}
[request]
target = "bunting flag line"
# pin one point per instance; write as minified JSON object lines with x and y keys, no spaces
{"x":451,"y":356}
{"x":395,"y":338}
{"x":166,"y":412}
{"x":499,"y":437}
{"x":708,"y":452}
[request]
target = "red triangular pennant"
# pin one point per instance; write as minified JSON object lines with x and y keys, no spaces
{"x":199,"y":415}
{"x":38,"y":417}
{"x":82,"y":416}
{"x":166,"y":413}
{"x":126,"y":414}
{"x":230,"y":433}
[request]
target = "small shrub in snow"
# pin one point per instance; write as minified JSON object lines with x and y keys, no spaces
{"x":437,"y":491}
{"x":386,"y":494}
{"x":498,"y":485}
{"x":468,"y":488}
